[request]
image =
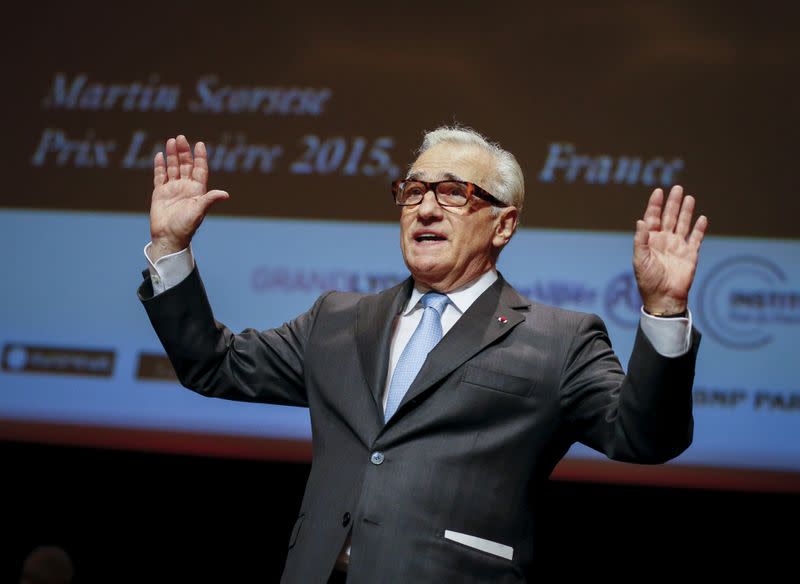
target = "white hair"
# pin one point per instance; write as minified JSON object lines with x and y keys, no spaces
{"x":507,"y":184}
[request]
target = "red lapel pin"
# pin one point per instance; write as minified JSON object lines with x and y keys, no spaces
{"x":502,"y":319}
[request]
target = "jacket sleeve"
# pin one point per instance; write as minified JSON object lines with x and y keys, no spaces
{"x":262,"y":366}
{"x":644,"y":416}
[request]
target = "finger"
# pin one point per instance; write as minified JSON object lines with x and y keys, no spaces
{"x":670,"y":216}
{"x":200,"y":170}
{"x":652,"y":214}
{"x":159,"y":170}
{"x":172,"y":160}
{"x":685,"y":216}
{"x":699,"y":231}
{"x":184,"y":156}
{"x":640,"y":240}
{"x":212,"y":197}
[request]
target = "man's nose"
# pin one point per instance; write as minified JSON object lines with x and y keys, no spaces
{"x":429,"y":207}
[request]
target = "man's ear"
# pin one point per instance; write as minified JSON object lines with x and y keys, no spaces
{"x":505,"y":226}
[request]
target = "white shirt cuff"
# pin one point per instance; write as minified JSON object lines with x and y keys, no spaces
{"x":169,"y":270}
{"x":670,"y":337}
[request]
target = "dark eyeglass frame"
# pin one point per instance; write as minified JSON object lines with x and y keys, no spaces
{"x":471,"y":189}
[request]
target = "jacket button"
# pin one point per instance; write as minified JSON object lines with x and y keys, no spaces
{"x":376,"y":458}
{"x":345,"y":519}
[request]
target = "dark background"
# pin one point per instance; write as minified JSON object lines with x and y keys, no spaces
{"x":135,"y":517}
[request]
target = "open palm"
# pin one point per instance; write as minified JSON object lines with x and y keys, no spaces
{"x":180,"y":200}
{"x":665,"y":251}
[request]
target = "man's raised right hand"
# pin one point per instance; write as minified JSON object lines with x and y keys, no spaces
{"x":180,"y":201}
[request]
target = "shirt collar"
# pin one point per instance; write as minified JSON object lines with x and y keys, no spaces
{"x":461,"y":298}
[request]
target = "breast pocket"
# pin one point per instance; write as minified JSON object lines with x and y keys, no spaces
{"x":492,"y":548}
{"x":502,"y":382}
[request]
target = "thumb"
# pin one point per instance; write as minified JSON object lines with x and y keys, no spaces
{"x":212,"y":197}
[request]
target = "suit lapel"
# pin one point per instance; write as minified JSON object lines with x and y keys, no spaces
{"x":374,"y":325}
{"x":493,"y":315}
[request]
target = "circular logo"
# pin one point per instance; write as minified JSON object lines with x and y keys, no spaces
{"x":734,"y":301}
{"x":622,"y":300}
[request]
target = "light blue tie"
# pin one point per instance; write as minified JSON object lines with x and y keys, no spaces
{"x":425,"y":337}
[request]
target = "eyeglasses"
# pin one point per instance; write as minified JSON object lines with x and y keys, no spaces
{"x":448,"y":193}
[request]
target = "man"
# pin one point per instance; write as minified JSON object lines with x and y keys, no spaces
{"x":427,"y":453}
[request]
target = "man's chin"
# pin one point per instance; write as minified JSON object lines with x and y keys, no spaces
{"x":428,"y":272}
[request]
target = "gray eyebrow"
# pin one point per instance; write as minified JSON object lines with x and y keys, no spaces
{"x":446,"y":176}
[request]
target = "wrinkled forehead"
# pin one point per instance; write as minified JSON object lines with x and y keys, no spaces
{"x":454,"y":162}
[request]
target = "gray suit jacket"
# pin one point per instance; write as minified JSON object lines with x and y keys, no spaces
{"x":496,"y":405}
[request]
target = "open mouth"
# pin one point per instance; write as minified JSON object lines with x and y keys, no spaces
{"x":429,"y":238}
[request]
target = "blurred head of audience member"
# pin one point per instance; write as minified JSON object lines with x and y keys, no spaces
{"x":47,"y":564}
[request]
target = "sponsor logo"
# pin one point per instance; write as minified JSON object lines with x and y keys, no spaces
{"x":781,"y":401}
{"x":154,"y":367}
{"x":760,"y":400}
{"x":20,"y":358}
{"x":744,"y":299}
{"x":284,"y":279}
{"x":558,"y":292}
{"x":719,"y":396}
{"x":622,"y":300}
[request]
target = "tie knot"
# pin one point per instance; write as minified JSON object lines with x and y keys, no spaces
{"x":435,"y":300}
